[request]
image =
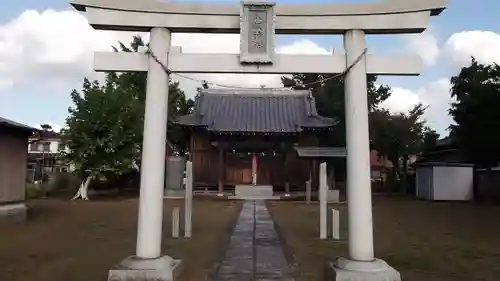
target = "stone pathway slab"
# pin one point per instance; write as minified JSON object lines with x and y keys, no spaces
{"x":254,"y":251}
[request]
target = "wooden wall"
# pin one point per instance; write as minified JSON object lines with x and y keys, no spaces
{"x":13,"y":165}
{"x":309,"y":165}
{"x":205,"y":160}
{"x":272,"y":170}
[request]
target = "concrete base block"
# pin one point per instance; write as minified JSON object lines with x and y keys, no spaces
{"x":332,"y":196}
{"x":174,"y":194}
{"x":15,"y":212}
{"x":135,"y":269}
{"x":348,"y":270}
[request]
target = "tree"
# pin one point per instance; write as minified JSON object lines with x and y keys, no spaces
{"x":430,"y":138}
{"x":330,"y":99}
{"x":398,"y":136}
{"x":105,"y":125}
{"x":328,"y":91}
{"x":46,"y":127}
{"x":179,"y":104}
{"x":476,"y":112}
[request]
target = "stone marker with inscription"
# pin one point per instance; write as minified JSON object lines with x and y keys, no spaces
{"x":257,"y":32}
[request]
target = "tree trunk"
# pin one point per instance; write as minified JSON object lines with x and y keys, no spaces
{"x":82,"y":191}
{"x":394,"y":174}
{"x":134,"y":164}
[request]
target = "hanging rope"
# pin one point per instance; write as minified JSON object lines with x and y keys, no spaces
{"x":150,"y":53}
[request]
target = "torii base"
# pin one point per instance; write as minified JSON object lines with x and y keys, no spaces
{"x":348,"y":270}
{"x":136,"y":269}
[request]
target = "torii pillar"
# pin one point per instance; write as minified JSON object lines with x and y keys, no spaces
{"x":258,"y":22}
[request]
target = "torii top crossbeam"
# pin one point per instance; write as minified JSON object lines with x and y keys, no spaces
{"x":376,"y":18}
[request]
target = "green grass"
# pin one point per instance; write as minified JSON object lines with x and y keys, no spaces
{"x":80,"y":241}
{"x":431,"y":241}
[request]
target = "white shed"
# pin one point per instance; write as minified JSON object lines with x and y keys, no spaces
{"x":445,"y":181}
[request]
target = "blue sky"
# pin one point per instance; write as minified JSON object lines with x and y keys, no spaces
{"x":36,"y":89}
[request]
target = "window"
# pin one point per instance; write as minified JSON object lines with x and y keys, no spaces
{"x":46,"y":147}
{"x":41,"y":146}
{"x":34,"y":147}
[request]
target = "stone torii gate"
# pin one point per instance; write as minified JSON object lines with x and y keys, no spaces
{"x":258,"y":22}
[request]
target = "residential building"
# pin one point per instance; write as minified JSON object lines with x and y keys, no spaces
{"x":43,"y":155}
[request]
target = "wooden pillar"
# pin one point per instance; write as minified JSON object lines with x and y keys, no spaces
{"x":287,"y":172}
{"x":315,"y":174}
{"x":221,"y":171}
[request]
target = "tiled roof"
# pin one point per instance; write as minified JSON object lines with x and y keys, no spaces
{"x":263,"y":111}
{"x":50,"y":134}
{"x":12,"y":124}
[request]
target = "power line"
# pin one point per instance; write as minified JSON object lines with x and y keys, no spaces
{"x":319,"y":81}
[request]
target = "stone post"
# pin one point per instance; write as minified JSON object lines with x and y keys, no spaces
{"x":287,"y":188}
{"x":308,"y":192}
{"x":147,"y":264}
{"x":335,"y":224}
{"x":154,"y":149}
{"x":188,"y":205}
{"x":175,"y":222}
{"x":322,"y":201}
{"x":358,"y":154}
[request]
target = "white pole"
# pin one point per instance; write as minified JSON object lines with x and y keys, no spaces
{"x":358,"y":154}
{"x":153,"y":152}
{"x":308,"y":192}
{"x":335,"y":224}
{"x":188,"y":199}
{"x":175,"y":222}
{"x":322,"y":202}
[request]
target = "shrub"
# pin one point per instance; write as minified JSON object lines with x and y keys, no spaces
{"x":63,"y":183}
{"x":35,"y":190}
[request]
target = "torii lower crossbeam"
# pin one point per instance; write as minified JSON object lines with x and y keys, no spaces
{"x":284,"y":64}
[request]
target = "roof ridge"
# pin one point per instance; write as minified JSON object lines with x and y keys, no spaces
{"x":251,"y":92}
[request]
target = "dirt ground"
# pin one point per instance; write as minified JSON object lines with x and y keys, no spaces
{"x":431,"y":241}
{"x":80,"y":241}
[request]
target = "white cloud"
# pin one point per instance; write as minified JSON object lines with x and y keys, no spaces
{"x":483,"y":45}
{"x":401,"y":100}
{"x":303,"y":46}
{"x":230,"y":43}
{"x":50,"y":47}
{"x":434,"y":95}
{"x":56,"y":48}
{"x":425,"y":45}
{"x":5,"y":83}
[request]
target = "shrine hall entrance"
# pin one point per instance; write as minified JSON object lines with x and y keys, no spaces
{"x":253,"y":168}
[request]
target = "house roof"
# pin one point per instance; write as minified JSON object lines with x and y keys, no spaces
{"x":255,"y":111}
{"x":6,"y":123}
{"x":48,"y":134}
{"x":446,"y":141}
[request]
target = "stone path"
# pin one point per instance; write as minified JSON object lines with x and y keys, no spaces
{"x":254,"y":251}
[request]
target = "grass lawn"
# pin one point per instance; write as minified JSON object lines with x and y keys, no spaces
{"x":80,"y":241}
{"x":431,"y":241}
